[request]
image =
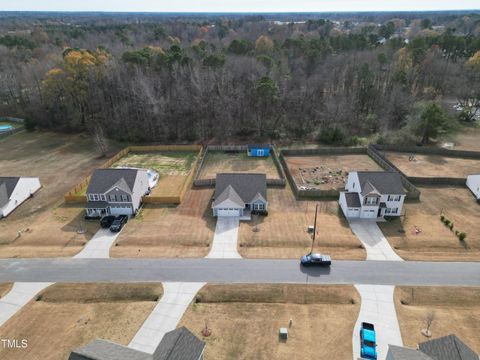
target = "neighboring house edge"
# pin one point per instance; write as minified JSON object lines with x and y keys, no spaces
{"x":16,"y":190}
{"x":372,"y":195}
{"x":473,"y":183}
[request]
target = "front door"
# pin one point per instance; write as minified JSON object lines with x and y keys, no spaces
{"x":379,"y":212}
{"x":260,"y":152}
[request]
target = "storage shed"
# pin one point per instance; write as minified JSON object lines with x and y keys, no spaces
{"x":258,"y":150}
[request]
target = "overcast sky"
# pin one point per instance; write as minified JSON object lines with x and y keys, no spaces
{"x":235,"y":5}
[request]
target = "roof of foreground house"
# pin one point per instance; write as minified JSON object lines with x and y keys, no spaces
{"x":449,"y":347}
{"x":403,"y":353}
{"x":7,"y":185}
{"x":240,"y":188}
{"x":104,"y":179}
{"x":179,"y":344}
{"x":385,"y":182}
{"x":353,"y":200}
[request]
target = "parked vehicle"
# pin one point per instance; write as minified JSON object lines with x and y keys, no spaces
{"x":118,"y":223}
{"x":368,"y":341}
{"x":106,"y":221}
{"x":315,"y":259}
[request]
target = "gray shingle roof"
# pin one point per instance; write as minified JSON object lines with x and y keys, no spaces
{"x":246,"y":185}
{"x":179,"y":344}
{"x":96,"y":205}
{"x":258,"y":146}
{"x":386,"y":182}
{"x":107,"y":350}
{"x":230,"y":194}
{"x":103,"y":179}
{"x":403,"y":353}
{"x":449,"y":347}
{"x":7,"y":185}
{"x":353,"y":200}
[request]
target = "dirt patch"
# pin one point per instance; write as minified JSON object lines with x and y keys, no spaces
{"x":433,"y":165}
{"x":436,"y":242}
{"x":220,"y":162}
{"x":185,"y":230}
{"x":246,"y":320}
{"x":283,"y":233}
{"x":5,"y":288}
{"x":456,"y":312}
{"x":327,"y":171}
{"x":165,"y":163}
{"x":467,"y":139}
{"x":54,"y":328}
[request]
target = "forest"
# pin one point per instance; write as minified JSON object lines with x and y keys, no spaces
{"x":336,"y":79}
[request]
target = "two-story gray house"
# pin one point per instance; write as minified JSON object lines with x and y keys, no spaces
{"x":116,"y":192}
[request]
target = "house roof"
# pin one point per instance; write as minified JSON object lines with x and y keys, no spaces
{"x":353,"y":200}
{"x":179,"y":344}
{"x":449,"y":347}
{"x":385,"y":182}
{"x":104,"y":179}
{"x":369,"y":189}
{"x":246,"y":187}
{"x":403,"y":353}
{"x":229,"y":198}
{"x":107,"y":350}
{"x":7,"y":185}
{"x":258,"y":146}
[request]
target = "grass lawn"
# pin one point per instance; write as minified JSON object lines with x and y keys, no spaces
{"x":4,"y":289}
{"x":218,"y":162}
{"x":436,"y":241}
{"x":434,"y":165}
{"x":456,"y":309}
{"x":185,"y":230}
{"x":283,"y":233}
{"x":47,"y":225}
{"x":245,"y":319}
{"x":320,"y":171}
{"x":67,"y":316}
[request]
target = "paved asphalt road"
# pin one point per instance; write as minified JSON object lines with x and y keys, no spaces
{"x":239,"y":271}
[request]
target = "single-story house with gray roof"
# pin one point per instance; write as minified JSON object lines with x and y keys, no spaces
{"x":372,"y":195}
{"x":14,"y":191}
{"x":116,"y":192}
{"x":179,"y":344}
{"x":237,"y":194}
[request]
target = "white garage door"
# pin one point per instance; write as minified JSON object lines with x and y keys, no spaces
{"x":121,"y":211}
{"x":369,"y":214}
{"x":353,"y":212}
{"x":228,"y":212}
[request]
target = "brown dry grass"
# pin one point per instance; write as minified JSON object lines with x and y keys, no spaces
{"x":245,"y":319}
{"x":160,"y":231}
{"x":169,"y":185}
{"x":468,"y":139}
{"x":457,"y":310}
{"x":436,"y":242}
{"x":346,"y":163}
{"x":5,"y":288}
{"x":60,"y":161}
{"x":218,"y":162}
{"x":69,"y":319}
{"x":434,"y":165}
{"x":283,"y":233}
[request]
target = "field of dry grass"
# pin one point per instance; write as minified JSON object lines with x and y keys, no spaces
{"x":185,"y":230}
{"x":468,"y":139}
{"x":283,"y":233}
{"x":4,"y":289}
{"x":325,"y":164}
{"x":218,"y":162}
{"x":47,"y":225}
{"x":67,"y":316}
{"x":456,"y":309}
{"x":245,"y":319}
{"x":433,"y":165}
{"x":437,"y":242}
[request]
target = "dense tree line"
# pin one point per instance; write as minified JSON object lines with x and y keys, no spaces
{"x":220,"y":78}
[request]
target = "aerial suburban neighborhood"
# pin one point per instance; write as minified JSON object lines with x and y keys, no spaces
{"x":239,"y":182}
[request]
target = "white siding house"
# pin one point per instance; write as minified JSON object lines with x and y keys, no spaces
{"x":473,"y":183}
{"x":14,"y":191}
{"x":372,"y":195}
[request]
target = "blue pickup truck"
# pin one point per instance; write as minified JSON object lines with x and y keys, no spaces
{"x":368,"y":341}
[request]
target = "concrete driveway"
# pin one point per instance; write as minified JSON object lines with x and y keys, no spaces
{"x":373,"y":240}
{"x":165,"y":316}
{"x":99,"y":246}
{"x":377,"y":308}
{"x":224,"y":244}
{"x":20,"y":294}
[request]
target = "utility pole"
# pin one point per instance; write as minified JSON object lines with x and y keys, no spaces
{"x":314,"y":228}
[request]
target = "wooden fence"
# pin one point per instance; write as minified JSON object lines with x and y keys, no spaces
{"x":430,"y":151}
{"x":74,"y":196}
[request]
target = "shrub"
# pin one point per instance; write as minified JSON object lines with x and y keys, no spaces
{"x":462,"y":236}
{"x":29,"y":124}
{"x":447,"y":222}
{"x":442,"y":218}
{"x":451,"y":226}
{"x":331,"y":135}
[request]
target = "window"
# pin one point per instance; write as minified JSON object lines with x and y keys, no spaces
{"x":102,"y":197}
{"x":395,"y":211}
{"x":96,"y":197}
{"x":371,"y":201}
{"x":258,"y":206}
{"x":124,"y":198}
{"x":112,"y":198}
{"x":388,"y":211}
{"x":390,"y":198}
{"x":398,"y":197}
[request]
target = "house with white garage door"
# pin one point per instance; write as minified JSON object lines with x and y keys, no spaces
{"x":238,"y":194}
{"x":116,"y":192}
{"x":14,"y":191}
{"x":372,"y":195}
{"x":473,"y":183}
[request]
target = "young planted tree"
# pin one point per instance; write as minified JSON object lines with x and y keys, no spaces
{"x":430,"y":122}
